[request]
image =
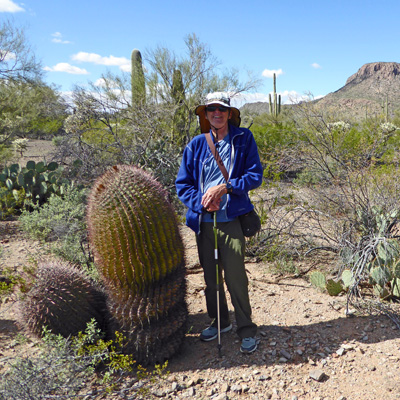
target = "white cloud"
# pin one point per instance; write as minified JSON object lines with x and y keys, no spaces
{"x":94,"y":58}
{"x":68,"y":68}
{"x":316,"y":66}
{"x":127,"y":68}
{"x":7,"y":56}
{"x":100,"y":82}
{"x":269,"y":73}
{"x":291,"y":97}
{"x":243,"y":98}
{"x":57,"y":38}
{"x":9,"y":6}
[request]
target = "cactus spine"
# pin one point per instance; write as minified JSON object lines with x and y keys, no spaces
{"x":275,"y":107}
{"x":138,"y":85}
{"x":139,"y":253}
{"x":64,"y":299}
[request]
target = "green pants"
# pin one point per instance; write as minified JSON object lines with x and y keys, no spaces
{"x":231,"y":247}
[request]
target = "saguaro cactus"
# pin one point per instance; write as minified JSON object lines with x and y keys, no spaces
{"x":139,"y":252}
{"x":275,"y":107}
{"x":64,"y":299}
{"x":138,"y":85}
{"x":180,"y":117}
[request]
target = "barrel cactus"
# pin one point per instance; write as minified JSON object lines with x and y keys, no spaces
{"x":139,"y":252}
{"x":63,"y":299}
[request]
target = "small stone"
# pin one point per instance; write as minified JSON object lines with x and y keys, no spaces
{"x":285,"y":354}
{"x":225,"y":388}
{"x":159,"y":393}
{"x":236,"y":388}
{"x":347,"y":346}
{"x":340,"y":351}
{"x":245,"y":388}
{"x":211,"y":392}
{"x":317,"y":375}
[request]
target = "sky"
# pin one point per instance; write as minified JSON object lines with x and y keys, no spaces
{"x":313,"y":46}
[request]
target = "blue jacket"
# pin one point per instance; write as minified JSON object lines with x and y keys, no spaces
{"x":245,"y":174}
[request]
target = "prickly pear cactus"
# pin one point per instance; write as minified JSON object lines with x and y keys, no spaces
{"x":139,"y":252}
{"x":318,"y":279}
{"x":64,"y":299}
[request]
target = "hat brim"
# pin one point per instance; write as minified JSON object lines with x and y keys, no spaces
{"x":205,"y":124}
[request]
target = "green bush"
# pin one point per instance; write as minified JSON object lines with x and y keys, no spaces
{"x":10,"y":202}
{"x":274,"y":142}
{"x":63,"y":367}
{"x":61,"y":222}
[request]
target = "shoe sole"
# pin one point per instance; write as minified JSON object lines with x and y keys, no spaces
{"x":227,"y":329}
{"x":245,"y":351}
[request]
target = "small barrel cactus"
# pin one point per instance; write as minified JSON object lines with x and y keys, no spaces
{"x":63,"y":299}
{"x":139,"y":252}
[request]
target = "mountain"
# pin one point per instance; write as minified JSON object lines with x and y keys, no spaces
{"x":364,"y":94}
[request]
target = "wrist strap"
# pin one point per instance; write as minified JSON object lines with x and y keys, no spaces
{"x":216,"y":155}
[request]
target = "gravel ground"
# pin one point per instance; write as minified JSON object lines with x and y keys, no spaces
{"x":309,"y":349}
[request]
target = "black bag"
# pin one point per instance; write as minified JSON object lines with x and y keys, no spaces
{"x":250,"y":223}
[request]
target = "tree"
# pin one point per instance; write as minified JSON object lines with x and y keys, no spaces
{"x":29,"y":109}
{"x":199,"y":75}
{"x":17,"y":61}
{"x":105,"y":129}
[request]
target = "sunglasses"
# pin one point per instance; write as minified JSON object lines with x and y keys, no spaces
{"x":214,"y":108}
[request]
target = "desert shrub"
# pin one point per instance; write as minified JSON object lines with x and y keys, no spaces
{"x":63,"y":367}
{"x":275,"y":142}
{"x":11,"y":202}
{"x":61,"y":223}
{"x":8,"y":280}
{"x":6,"y":151}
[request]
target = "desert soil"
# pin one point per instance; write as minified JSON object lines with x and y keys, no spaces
{"x":309,"y":349}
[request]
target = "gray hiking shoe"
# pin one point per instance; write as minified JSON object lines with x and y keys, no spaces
{"x":211,"y":333}
{"x":249,"y":345}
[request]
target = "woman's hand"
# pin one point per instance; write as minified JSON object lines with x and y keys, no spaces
{"x":212,"y":198}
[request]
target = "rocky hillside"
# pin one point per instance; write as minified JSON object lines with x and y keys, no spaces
{"x":365,"y":93}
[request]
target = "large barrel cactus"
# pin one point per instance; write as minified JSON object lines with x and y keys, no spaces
{"x":139,"y":252}
{"x":63,"y":299}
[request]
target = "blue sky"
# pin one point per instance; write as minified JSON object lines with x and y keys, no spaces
{"x":312,"y":45}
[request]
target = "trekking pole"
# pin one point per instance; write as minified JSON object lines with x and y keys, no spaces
{"x":216,"y":268}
